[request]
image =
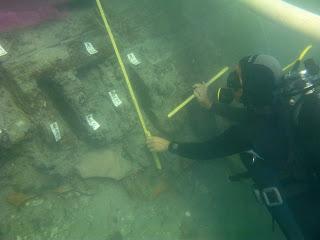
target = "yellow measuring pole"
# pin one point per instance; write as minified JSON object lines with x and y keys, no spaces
{"x":189,"y":99}
{"x":300,"y":58}
{"x":126,"y":77}
{"x":224,"y":70}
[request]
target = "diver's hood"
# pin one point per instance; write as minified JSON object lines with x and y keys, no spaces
{"x":261,"y":75}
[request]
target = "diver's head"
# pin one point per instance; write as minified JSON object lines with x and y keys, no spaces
{"x":254,"y":81}
{"x":260,"y":76}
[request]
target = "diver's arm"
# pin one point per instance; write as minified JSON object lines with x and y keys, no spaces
{"x":232,"y":141}
{"x":237,"y":114}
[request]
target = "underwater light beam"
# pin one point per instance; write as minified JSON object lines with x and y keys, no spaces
{"x":288,"y":15}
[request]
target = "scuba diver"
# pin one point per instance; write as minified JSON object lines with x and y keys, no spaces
{"x":277,"y":133}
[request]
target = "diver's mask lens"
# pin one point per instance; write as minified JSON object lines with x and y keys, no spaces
{"x":233,"y":80}
{"x":226,"y":95}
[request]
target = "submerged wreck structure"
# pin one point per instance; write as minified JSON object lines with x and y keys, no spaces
{"x":66,"y":111}
{"x":63,"y":85}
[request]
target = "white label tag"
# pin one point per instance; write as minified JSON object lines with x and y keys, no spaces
{"x":90,"y":48}
{"x":133,"y":59}
{"x":2,"y":51}
{"x":92,"y":122}
{"x":115,"y":98}
{"x":55,"y":131}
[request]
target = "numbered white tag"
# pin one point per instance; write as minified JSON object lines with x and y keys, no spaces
{"x":90,"y":48}
{"x":2,"y":51}
{"x":115,"y":98}
{"x":55,"y":131}
{"x":133,"y":59}
{"x":92,"y":122}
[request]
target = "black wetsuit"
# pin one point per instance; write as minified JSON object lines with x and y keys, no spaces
{"x":278,"y":142}
{"x":263,"y":134}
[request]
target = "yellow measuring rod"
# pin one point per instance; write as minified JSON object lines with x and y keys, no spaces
{"x":126,"y":77}
{"x":300,"y":58}
{"x":189,"y":99}
{"x":224,"y":70}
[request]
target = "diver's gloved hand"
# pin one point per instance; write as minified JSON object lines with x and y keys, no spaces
{"x":157,"y":144}
{"x":200,"y":91}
